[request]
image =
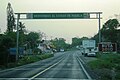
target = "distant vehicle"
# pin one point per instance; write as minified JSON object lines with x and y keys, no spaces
{"x":54,"y":50}
{"x":91,"y":54}
{"x":77,"y":47}
{"x":86,"y":51}
{"x":62,"y":50}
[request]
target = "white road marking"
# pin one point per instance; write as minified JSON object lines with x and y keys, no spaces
{"x":58,"y":79}
{"x":84,"y":70}
{"x":81,"y":60}
{"x":45,"y":70}
{"x":40,"y":79}
{"x":14,"y":78}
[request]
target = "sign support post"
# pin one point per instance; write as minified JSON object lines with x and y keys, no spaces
{"x":17,"y":43}
{"x":99,"y":27}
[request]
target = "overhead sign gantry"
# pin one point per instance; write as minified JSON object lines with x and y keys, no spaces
{"x":72,"y":15}
{"x":58,"y":15}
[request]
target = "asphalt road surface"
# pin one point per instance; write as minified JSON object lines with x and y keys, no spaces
{"x":63,"y":66}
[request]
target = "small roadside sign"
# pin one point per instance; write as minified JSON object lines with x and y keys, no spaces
{"x":107,"y":47}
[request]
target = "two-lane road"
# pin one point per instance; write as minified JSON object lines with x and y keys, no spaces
{"x":64,"y":66}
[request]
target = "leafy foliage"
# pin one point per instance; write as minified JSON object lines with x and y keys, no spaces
{"x":110,"y":32}
{"x":10,"y":18}
{"x":32,"y":38}
{"x":59,"y":43}
{"x":5,"y":43}
{"x":8,"y":40}
{"x":78,"y":41}
{"x":33,"y":58}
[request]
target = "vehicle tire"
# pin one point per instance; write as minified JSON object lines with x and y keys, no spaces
{"x":85,"y":55}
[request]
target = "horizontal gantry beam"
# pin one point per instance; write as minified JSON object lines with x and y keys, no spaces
{"x":72,"y":15}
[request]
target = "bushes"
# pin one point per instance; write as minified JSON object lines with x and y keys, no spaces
{"x":27,"y":59}
{"x":37,"y":51}
{"x":117,"y":75}
{"x":5,"y":43}
{"x":45,"y":56}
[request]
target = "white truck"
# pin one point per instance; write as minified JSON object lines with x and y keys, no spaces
{"x":89,"y":47}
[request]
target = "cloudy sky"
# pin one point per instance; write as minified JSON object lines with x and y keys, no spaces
{"x":62,"y":28}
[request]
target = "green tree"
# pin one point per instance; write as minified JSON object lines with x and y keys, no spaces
{"x":32,"y":38}
{"x":78,"y":41}
{"x":5,"y":43}
{"x":21,"y":27}
{"x":59,"y":43}
{"x":10,"y":18}
{"x":12,"y":35}
{"x":96,"y":38}
{"x":22,"y":37}
{"x":110,"y":30}
{"x":111,"y":24}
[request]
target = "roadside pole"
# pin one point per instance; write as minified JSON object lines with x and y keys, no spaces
{"x":17,"y":43}
{"x":99,"y":27}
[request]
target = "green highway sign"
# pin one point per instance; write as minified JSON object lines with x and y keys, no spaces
{"x":58,"y":15}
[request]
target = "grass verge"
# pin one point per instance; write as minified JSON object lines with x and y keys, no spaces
{"x":28,"y":59}
{"x":107,"y":66}
{"x":33,"y":58}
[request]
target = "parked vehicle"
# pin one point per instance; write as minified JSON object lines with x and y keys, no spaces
{"x":91,"y":54}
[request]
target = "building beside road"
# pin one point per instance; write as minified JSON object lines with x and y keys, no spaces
{"x":45,"y":47}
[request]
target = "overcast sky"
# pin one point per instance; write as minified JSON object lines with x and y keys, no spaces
{"x":62,"y":28}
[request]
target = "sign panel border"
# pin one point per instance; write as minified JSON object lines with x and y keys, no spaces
{"x":58,"y":15}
